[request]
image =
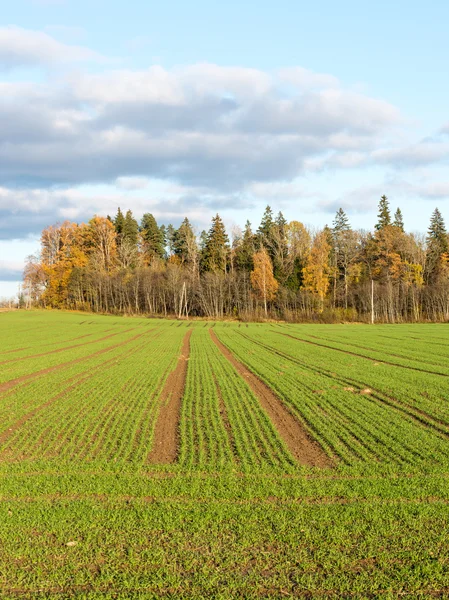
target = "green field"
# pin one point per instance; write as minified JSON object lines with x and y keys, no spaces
{"x":143,"y":458}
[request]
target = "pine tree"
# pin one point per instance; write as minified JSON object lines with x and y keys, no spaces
{"x":130,"y":229}
{"x":384,"y":216}
{"x":216,"y":250}
{"x":398,"y":220}
{"x":152,"y":238}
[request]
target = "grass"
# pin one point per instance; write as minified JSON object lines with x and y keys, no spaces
{"x":83,"y":514}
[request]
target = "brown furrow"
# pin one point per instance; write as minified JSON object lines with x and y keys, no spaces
{"x":303,"y":448}
{"x":166,"y":433}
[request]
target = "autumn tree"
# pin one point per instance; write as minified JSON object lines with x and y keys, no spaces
{"x":317,"y":270}
{"x":262,"y":278}
{"x":101,"y":243}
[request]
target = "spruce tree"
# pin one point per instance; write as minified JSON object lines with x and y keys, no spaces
{"x":170,"y":234}
{"x":216,"y":251}
{"x":119,"y":223}
{"x":384,"y":216}
{"x":437,"y":244}
{"x":244,"y":256}
{"x":153,"y":238}
{"x":130,"y":229}
{"x":398,"y":220}
{"x":184,"y":242}
{"x":341,"y":222}
{"x":265,"y":228}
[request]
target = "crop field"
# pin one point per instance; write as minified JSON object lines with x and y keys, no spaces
{"x":145,"y":458}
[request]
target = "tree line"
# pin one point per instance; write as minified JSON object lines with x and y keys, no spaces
{"x":282,"y":270}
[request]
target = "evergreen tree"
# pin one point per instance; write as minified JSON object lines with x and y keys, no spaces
{"x":341,"y":222}
{"x":184,"y":243}
{"x":398,"y":220}
{"x":130,"y":229}
{"x":245,"y":251}
{"x":216,"y":251}
{"x":264,"y":233}
{"x":279,"y":247}
{"x":119,"y":223}
{"x":170,"y":234}
{"x":384,"y":216}
{"x":152,"y":238}
{"x":437,"y":245}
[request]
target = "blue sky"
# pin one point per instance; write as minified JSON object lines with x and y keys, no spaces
{"x":189,"y":108}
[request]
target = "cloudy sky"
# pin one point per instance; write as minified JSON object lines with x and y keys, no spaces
{"x":188,"y":108}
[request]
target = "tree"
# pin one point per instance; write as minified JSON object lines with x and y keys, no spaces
{"x":345,"y":246}
{"x":216,"y":250}
{"x":262,"y":278}
{"x":101,"y":243}
{"x":119,"y":223}
{"x":185,"y":246}
{"x":384,"y":216}
{"x":437,"y":247}
{"x":317,"y":270}
{"x":130,"y":231}
{"x":298,"y":244}
{"x":340,"y":223}
{"x":265,"y":229}
{"x":246,"y":249}
{"x":153,"y":242}
{"x":398,"y":220}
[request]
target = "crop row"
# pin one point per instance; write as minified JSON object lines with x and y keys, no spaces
{"x":109,"y":415}
{"x":222,"y":424}
{"x":341,"y":412}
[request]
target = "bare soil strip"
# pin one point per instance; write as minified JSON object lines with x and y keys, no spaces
{"x":14,"y":360}
{"x":303,"y":448}
{"x":166,"y":433}
{"x":7,"y":385}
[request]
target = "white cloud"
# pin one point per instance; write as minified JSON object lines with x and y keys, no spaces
{"x":24,"y":48}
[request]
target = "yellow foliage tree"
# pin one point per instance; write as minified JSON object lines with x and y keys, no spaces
{"x":262,"y":278}
{"x":317,"y":270}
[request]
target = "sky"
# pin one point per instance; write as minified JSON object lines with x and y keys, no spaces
{"x":192,"y":108}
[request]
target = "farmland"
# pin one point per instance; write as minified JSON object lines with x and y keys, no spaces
{"x":149,"y":458}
